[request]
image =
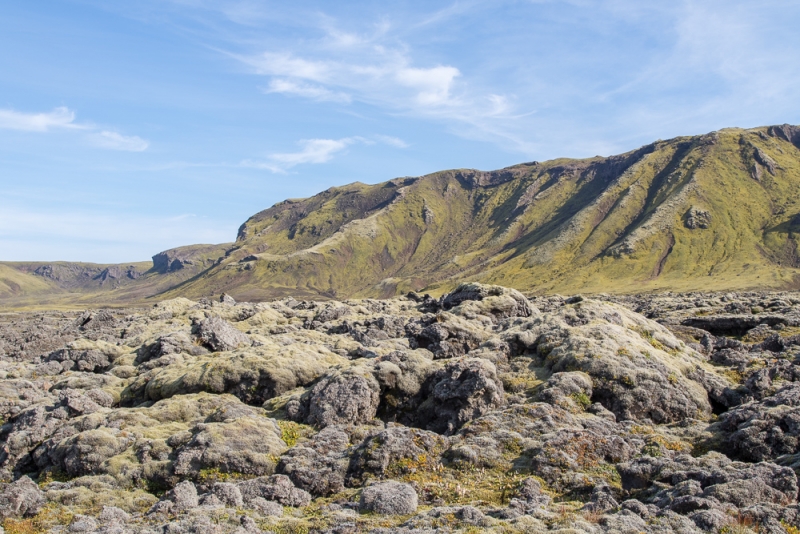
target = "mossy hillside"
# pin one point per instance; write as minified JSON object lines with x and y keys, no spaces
{"x":616,"y":224}
{"x":14,"y":282}
{"x":603,"y":224}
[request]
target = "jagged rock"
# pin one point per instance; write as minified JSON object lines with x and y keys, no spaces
{"x":113,"y":515}
{"x":318,"y":465}
{"x":342,"y":398}
{"x":709,"y":479}
{"x":637,"y":367}
{"x":91,"y":361}
{"x":696,"y":218}
{"x":83,"y":453}
{"x":445,"y":335}
{"x":462,"y":391}
{"x":227,"y":493}
{"x":389,"y":498}
{"x":497,"y":301}
{"x":219,"y":335}
{"x":82,"y":523}
{"x":172,"y":343}
{"x":265,"y":507}
{"x":766,"y":429}
{"x":572,"y":391}
{"x":602,"y":500}
{"x":179,"y":499}
{"x":383,"y":454}
{"x":21,"y":498}
{"x":277,"y":488}
{"x":241,"y":445}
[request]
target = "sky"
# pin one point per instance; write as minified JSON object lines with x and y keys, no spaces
{"x":127,"y":128}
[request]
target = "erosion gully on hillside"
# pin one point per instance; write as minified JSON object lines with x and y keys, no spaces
{"x":481,"y":411}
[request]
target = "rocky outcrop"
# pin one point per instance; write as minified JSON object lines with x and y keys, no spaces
{"x":533,"y":415}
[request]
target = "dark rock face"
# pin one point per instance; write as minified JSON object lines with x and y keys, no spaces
{"x":764,"y":430}
{"x":697,"y":219}
{"x":169,"y":261}
{"x":459,"y":393}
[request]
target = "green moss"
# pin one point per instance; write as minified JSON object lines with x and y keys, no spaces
{"x":582,"y":399}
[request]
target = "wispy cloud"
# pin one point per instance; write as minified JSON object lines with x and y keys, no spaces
{"x":389,"y":81}
{"x":60,"y":117}
{"x":391,"y":141}
{"x":64,"y":118}
{"x":312,"y":151}
{"x":306,"y":90}
{"x":115,"y":141}
{"x":316,"y":151}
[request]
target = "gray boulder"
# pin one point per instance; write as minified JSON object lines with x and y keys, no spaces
{"x":343,"y":398}
{"x":277,"y":488}
{"x":389,"y":447}
{"x":179,"y":499}
{"x":462,"y":391}
{"x":21,"y":498}
{"x":219,"y":335}
{"x":500,"y":302}
{"x":227,"y":493}
{"x":319,"y":464}
{"x":389,"y":498}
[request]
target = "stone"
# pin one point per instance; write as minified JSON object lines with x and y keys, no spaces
{"x":389,"y":498}
{"x":219,"y":335}
{"x":277,"y":488}
{"x":343,"y":398}
{"x":21,"y":498}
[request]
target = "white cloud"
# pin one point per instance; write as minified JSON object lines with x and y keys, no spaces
{"x":60,"y":117}
{"x":384,"y":77}
{"x":391,"y":141}
{"x":313,"y":92}
{"x":64,"y":118}
{"x":115,"y":141}
{"x":313,"y":151}
{"x":283,"y":64}
{"x":433,"y":84}
{"x":316,"y":151}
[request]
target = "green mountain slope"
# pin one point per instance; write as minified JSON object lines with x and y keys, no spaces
{"x":718,"y":211}
{"x":712,"y":212}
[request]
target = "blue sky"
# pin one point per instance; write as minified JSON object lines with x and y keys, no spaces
{"x":127,"y":128}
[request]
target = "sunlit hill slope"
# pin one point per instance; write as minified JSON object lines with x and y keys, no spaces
{"x":717,"y":211}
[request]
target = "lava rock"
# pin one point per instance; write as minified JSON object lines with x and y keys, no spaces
{"x":389,"y":498}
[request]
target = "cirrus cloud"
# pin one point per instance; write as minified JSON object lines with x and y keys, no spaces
{"x":60,"y":117}
{"x":64,"y":118}
{"x":316,"y":151}
{"x":115,"y":141}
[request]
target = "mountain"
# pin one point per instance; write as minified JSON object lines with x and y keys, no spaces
{"x":719,"y":211}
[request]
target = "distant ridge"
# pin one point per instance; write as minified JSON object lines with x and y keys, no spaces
{"x":719,"y":211}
